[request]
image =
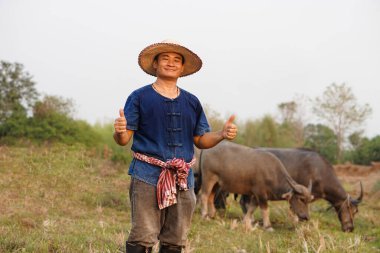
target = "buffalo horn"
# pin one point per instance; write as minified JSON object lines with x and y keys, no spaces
{"x":296,"y":187}
{"x":310,"y":186}
{"x":359,"y":199}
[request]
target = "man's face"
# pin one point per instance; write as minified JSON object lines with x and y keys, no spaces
{"x":169,"y":65}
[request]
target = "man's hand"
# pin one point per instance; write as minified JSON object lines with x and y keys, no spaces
{"x":122,"y":136}
{"x":229,"y":131}
{"x":210,"y":139}
{"x":120,"y":124}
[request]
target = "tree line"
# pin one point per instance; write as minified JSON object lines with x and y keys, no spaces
{"x":26,"y":116}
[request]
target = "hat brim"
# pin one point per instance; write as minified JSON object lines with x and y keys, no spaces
{"x":192,"y":61}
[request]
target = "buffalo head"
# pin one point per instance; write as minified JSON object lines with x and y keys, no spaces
{"x":347,"y":209}
{"x":299,"y":198}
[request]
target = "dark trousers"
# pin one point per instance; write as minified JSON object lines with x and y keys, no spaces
{"x":170,"y":225}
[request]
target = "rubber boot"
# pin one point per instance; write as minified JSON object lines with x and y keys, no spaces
{"x":136,"y":248}
{"x":170,"y":249}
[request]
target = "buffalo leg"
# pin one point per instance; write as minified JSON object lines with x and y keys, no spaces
{"x":265,"y":213}
{"x":211,"y":205}
{"x":204,"y":202}
{"x":205,"y":196}
{"x":249,"y":206}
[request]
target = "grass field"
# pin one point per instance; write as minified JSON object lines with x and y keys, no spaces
{"x":69,"y":199}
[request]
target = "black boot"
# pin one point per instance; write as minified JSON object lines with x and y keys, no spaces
{"x":136,"y":248}
{"x":170,"y":249}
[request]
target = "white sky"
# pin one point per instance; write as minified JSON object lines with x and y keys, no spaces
{"x":256,"y":54}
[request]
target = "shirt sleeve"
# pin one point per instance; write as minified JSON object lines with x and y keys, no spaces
{"x":132,"y":111}
{"x":202,"y":125}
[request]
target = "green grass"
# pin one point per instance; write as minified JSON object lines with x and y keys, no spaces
{"x":70,"y":199}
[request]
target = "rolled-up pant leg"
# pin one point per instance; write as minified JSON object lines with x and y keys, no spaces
{"x":150,"y":224}
{"x":177,"y":222}
{"x":146,"y":216}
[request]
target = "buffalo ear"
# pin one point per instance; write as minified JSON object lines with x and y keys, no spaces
{"x":287,"y":195}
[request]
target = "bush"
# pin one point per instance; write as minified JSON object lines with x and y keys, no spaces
{"x":368,"y":151}
{"x":52,"y":129}
{"x":321,"y":139}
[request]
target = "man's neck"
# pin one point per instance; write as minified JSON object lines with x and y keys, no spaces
{"x":166,"y":88}
{"x":166,"y":84}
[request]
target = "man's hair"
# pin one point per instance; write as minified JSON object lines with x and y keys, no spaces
{"x":156,"y":58}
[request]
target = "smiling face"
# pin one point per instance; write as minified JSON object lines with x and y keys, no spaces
{"x":169,"y":65}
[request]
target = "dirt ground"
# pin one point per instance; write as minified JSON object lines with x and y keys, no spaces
{"x":351,"y":174}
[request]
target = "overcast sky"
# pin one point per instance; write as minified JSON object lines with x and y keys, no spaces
{"x":256,"y":54}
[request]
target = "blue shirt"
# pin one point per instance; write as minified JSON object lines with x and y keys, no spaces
{"x":163,"y":128}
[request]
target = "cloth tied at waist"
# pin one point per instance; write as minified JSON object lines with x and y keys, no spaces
{"x":174,"y":171}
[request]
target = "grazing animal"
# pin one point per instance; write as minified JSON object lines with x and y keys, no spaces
{"x":242,"y":170}
{"x":306,"y":165}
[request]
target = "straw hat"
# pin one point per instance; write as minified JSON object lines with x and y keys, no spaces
{"x":192,"y":61}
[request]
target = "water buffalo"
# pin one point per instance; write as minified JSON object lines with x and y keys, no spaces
{"x":239,"y":169}
{"x":304,"y":165}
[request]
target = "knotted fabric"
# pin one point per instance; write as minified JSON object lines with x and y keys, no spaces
{"x":174,"y":171}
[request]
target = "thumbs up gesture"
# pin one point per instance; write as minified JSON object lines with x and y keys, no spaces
{"x":120,"y":124}
{"x":229,"y":131}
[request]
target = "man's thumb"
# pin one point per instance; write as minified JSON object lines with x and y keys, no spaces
{"x":231,"y":119}
{"x":121,"y":113}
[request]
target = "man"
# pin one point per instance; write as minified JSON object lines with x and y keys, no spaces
{"x":165,"y":122}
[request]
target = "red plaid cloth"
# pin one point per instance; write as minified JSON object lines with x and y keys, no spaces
{"x":172,"y":172}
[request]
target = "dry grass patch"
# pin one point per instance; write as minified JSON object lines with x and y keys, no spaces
{"x":66,"y":199}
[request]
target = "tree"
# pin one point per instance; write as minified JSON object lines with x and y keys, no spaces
{"x":321,"y":139}
{"x":291,"y":130}
{"x":267,"y":132}
{"x":339,"y":109}
{"x":356,"y":139}
{"x":17,"y":92}
{"x":50,"y":105}
{"x":259,"y":133}
{"x":53,"y":122}
{"x":288,"y":110}
{"x":249,"y":133}
{"x":368,"y":151}
{"x":52,"y":119}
